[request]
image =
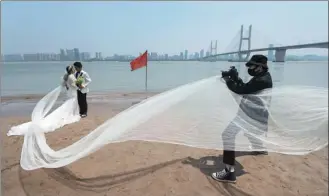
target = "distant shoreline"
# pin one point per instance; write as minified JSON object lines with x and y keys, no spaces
{"x":100,"y":61}
{"x":124,"y":61}
{"x":23,"y":105}
{"x":93,"y":95}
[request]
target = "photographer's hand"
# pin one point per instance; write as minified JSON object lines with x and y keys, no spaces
{"x":226,"y":78}
{"x":234,"y":74}
{"x":223,"y":75}
{"x":235,"y":78}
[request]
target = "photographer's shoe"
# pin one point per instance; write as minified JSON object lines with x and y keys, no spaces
{"x":224,"y":176}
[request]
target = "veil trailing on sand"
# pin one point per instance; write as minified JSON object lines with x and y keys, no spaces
{"x":67,"y":113}
{"x":203,"y":114}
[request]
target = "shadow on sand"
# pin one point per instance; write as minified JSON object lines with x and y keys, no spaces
{"x":210,"y":164}
{"x":96,"y":184}
{"x":105,"y":182}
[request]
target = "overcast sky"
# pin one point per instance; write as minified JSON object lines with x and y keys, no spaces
{"x":164,"y":27}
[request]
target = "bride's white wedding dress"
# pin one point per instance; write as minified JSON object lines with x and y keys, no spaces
{"x":65,"y":114}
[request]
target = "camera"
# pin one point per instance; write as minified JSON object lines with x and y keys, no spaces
{"x":232,"y":73}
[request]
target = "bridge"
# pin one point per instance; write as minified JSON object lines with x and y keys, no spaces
{"x":239,"y":52}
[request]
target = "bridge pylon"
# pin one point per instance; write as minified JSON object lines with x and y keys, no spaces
{"x":248,"y":39}
{"x":213,"y":48}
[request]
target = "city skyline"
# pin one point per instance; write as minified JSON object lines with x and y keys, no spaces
{"x":75,"y":55}
{"x":106,"y":26}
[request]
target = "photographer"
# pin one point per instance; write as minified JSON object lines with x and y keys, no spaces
{"x":257,"y":67}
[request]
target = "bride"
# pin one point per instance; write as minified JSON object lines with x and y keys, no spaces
{"x":65,"y":114}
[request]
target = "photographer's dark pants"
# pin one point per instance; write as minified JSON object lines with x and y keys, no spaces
{"x":228,"y":137}
{"x":82,"y":101}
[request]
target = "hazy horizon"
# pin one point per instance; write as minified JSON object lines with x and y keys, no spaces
{"x":164,"y":27}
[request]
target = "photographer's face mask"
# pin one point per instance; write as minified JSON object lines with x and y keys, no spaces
{"x":253,"y":70}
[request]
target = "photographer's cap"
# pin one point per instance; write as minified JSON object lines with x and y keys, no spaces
{"x":258,"y":60}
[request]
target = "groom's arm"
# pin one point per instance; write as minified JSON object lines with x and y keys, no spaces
{"x":87,"y":79}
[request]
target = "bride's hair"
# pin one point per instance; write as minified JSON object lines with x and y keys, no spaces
{"x":69,"y":70}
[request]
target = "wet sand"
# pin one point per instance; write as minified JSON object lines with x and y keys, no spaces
{"x":148,"y":169}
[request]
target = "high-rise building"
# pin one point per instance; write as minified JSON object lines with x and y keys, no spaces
{"x":207,"y":53}
{"x":46,"y":57}
{"x":54,"y":57}
{"x":181,"y":56}
{"x":84,"y":56}
{"x":186,"y":54}
{"x":30,"y":57}
{"x":175,"y":57}
{"x":166,"y":56}
{"x":43,"y":57}
{"x":62,"y":55}
{"x":76,"y":54}
{"x":98,"y":56}
{"x":70,"y":55}
{"x":154,"y":56}
{"x":196,"y":55}
{"x":202,"y":53}
{"x":270,"y":54}
{"x":13,"y":57}
{"x":57,"y":57}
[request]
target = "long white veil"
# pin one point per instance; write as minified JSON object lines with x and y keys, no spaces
{"x":67,"y":113}
{"x":203,"y":114}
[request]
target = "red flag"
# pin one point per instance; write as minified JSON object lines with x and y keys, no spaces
{"x":139,"y":62}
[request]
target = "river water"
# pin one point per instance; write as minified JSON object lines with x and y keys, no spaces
{"x":41,"y":77}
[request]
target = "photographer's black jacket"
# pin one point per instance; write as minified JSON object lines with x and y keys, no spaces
{"x":257,"y":83}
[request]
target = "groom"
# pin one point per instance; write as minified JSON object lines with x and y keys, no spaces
{"x":83,"y":89}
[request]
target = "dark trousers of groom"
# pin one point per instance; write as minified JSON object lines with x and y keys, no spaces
{"x":82,"y":101}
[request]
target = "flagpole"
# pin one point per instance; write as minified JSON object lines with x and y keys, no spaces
{"x":146,"y":71}
{"x":146,"y":78}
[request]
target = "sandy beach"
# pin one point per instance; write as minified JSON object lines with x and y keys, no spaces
{"x":149,"y":169}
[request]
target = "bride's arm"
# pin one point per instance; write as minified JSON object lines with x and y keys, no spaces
{"x":63,"y":82}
